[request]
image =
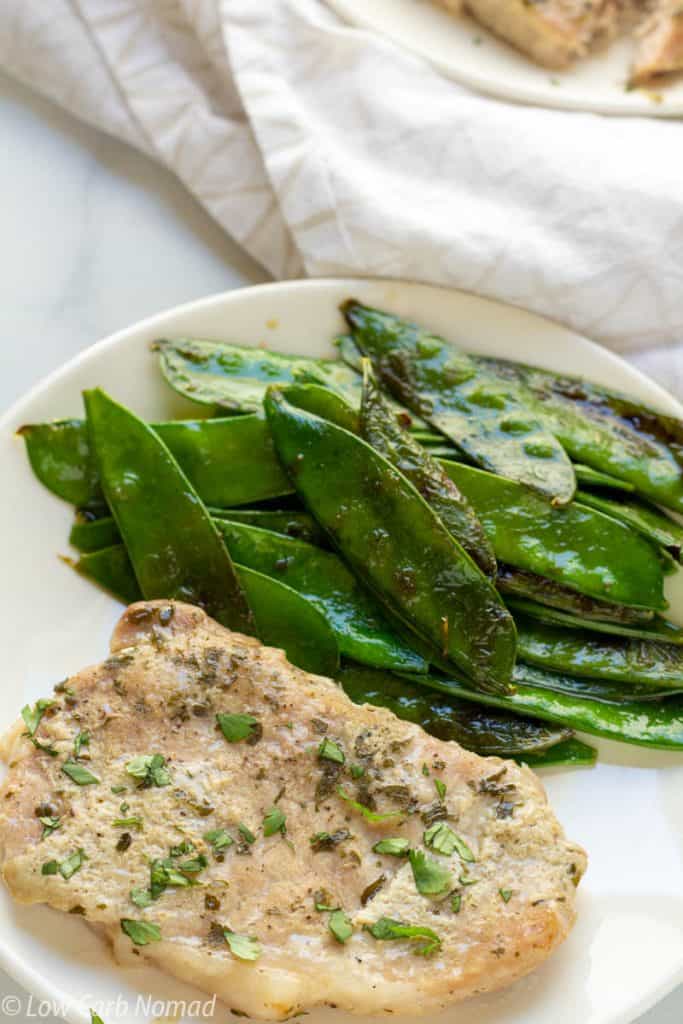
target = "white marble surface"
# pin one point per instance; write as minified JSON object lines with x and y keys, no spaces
{"x":94,"y":237}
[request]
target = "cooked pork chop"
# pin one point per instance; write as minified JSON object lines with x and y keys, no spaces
{"x":661,"y":43}
{"x":552,"y":32}
{"x":249,"y":825}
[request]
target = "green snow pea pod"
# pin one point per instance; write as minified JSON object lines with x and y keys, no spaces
{"x":488,"y":733}
{"x":569,"y":753}
{"x":645,"y":723}
{"x":527,"y":586}
{"x":235,"y":377}
{"x":427,"y":475}
{"x":92,"y":535}
{"x":641,"y":517}
{"x":175,"y":548}
{"x":289,"y":522}
{"x":284,"y":619}
{"x":617,"y":659}
{"x":359,"y":624}
{"x":603,"y":428}
{"x":229,"y":461}
{"x":464,"y":401}
{"x":61,"y":457}
{"x":590,"y":477}
{"x":576,"y":546}
{"x":394,"y":542}
{"x":657,"y":629}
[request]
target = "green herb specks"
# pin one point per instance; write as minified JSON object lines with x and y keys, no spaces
{"x":431,"y":879}
{"x":441,"y":838}
{"x":386,"y":929}
{"x":274,"y":821}
{"x":32,"y":715}
{"x":331,"y":751}
{"x":244,"y":947}
{"x":393,"y":847}
{"x":340,"y":926}
{"x":141,"y":933}
{"x":79,"y":774}
{"x":239,"y":728}
{"x":149,"y":770}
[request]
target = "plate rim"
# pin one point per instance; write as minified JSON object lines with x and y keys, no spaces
{"x":19,"y":969}
{"x":633,"y":103}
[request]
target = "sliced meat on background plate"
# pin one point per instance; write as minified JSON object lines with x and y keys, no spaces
{"x":661,"y":43}
{"x":217,"y":812}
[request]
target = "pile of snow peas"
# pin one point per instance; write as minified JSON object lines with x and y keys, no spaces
{"x":480,"y":546}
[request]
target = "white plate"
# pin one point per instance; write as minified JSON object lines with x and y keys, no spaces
{"x":627,"y":948}
{"x":460,"y":48}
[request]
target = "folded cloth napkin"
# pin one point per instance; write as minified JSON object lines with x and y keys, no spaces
{"x":325,"y":150}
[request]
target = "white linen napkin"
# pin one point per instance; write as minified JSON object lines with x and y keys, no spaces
{"x":325,"y":150}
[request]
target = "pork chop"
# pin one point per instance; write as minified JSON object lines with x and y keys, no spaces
{"x":660,"y":51}
{"x":552,"y":32}
{"x":258,"y":824}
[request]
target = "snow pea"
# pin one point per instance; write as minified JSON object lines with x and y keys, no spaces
{"x":427,"y":475}
{"x":394,"y":542}
{"x":230,"y":461}
{"x":617,"y":659}
{"x":645,"y":723}
{"x":568,"y":753}
{"x":359,"y":624}
{"x":176,"y":550}
{"x":590,"y":477}
{"x":461,"y":398}
{"x":576,"y":546}
{"x":657,"y":629}
{"x":283,"y":618}
{"x":603,"y":428}
{"x":61,"y":457}
{"x":527,"y":586}
{"x":643,"y":518}
{"x":94,"y":534}
{"x":488,"y":733}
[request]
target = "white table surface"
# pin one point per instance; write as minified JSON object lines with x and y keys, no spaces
{"x":95,"y":237}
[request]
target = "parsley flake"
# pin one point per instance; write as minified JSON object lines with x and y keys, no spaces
{"x":219,"y":839}
{"x":79,"y":774}
{"x":68,"y":867}
{"x":274,"y":821}
{"x":149,"y":770}
{"x":244,"y":947}
{"x":440,"y":788}
{"x":441,"y":838}
{"x":32,"y":715}
{"x":133,"y":822}
{"x":394,"y":847}
{"x":246,"y":833}
{"x":50,"y":825}
{"x":431,"y":879}
{"x":237,"y":728}
{"x":456,"y":902}
{"x":81,"y":740}
{"x":505,"y":895}
{"x":141,"y":933}
{"x":369,"y":815}
{"x":141,"y":898}
{"x":340,"y":926}
{"x":386,"y":929}
{"x":331,"y":751}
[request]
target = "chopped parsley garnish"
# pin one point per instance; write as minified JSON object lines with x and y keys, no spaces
{"x":68,"y":867}
{"x":505,"y":895}
{"x":456,"y":902}
{"x":340,"y":926}
{"x":322,"y":901}
{"x":441,"y":838}
{"x":331,"y":751}
{"x":237,"y":728}
{"x":141,"y":898}
{"x":182,"y":849}
{"x":369,"y":815}
{"x":274,"y":821}
{"x":45,"y":747}
{"x":467,"y":880}
{"x":246,"y":833}
{"x":32,"y":715}
{"x":440,"y":788}
{"x":134,"y":822}
{"x":194,"y":866}
{"x":328,"y":840}
{"x":50,"y":825}
{"x":431,"y":879}
{"x":219,"y":839}
{"x":150,"y":770}
{"x":79,"y":774}
{"x":385,"y":929}
{"x":244,"y":947}
{"x":116,"y":790}
{"x":95,"y":1018}
{"x":357,"y":771}
{"x":141,"y":932}
{"x":162,"y":875}
{"x":81,"y":740}
{"x":394,"y":847}
{"x":425,"y":768}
